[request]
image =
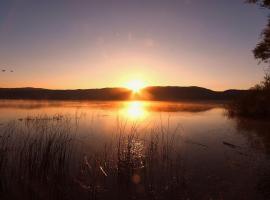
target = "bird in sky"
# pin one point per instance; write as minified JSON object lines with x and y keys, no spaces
{"x":4,"y":70}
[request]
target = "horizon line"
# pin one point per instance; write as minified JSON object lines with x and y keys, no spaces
{"x":27,"y":87}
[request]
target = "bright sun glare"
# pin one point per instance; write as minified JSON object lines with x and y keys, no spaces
{"x":135,"y":85}
{"x":135,"y":110}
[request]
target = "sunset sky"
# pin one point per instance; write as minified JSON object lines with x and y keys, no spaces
{"x":72,"y":44}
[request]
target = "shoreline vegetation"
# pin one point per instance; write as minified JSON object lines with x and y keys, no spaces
{"x":168,"y":93}
{"x":254,"y":104}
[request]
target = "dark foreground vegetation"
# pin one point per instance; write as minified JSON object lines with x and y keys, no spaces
{"x":169,"y":93}
{"x":255,"y":103}
{"x":41,"y":158}
{"x":47,"y":157}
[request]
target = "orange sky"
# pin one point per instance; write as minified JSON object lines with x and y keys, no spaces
{"x":98,"y":44}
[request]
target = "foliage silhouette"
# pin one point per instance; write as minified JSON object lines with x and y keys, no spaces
{"x":262,"y":50}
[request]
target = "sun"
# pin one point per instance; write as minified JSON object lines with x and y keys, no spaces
{"x":135,"y":85}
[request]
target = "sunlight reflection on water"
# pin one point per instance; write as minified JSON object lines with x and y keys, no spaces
{"x":224,"y":148}
{"x":135,"y":110}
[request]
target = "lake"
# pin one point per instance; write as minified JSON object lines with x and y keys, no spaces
{"x":221,"y":157}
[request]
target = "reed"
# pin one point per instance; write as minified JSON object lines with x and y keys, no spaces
{"x":41,"y":159}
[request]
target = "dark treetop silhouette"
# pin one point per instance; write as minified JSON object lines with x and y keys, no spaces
{"x":262,"y":50}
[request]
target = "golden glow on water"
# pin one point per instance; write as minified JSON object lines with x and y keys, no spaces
{"x":135,"y":110}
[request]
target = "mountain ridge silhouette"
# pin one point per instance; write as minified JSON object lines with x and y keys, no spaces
{"x":162,"y":93}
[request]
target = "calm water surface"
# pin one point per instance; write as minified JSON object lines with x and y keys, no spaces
{"x":226,"y":156}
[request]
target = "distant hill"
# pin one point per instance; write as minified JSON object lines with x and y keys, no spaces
{"x":168,"y":93}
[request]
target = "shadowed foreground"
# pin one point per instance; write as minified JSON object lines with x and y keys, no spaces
{"x":44,"y":157}
{"x":41,"y":159}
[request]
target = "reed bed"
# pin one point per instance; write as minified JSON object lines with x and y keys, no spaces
{"x":41,"y":158}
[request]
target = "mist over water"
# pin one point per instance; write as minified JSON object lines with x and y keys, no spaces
{"x":221,"y":156}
